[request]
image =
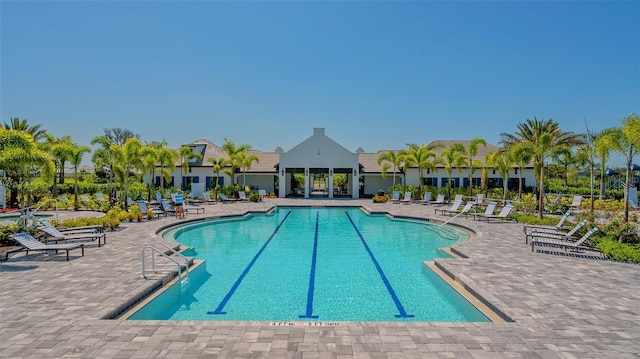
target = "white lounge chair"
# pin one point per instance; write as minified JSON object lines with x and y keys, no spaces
{"x":491,"y":207}
{"x":31,"y":244}
{"x":505,"y":214}
{"x":454,"y":207}
{"x":439,"y":200}
{"x":479,"y":198}
{"x":467,"y":207}
{"x":189,"y":209}
{"x":100,"y":197}
{"x":407,"y":198}
{"x":57,"y":235}
{"x":633,"y":198}
{"x":243,"y":196}
{"x":458,"y":197}
{"x":580,"y":243}
{"x":426,"y":198}
{"x":395,"y":197}
{"x":207,"y":198}
{"x":577,"y":201}
{"x":531,"y":227}
{"x":555,"y":234}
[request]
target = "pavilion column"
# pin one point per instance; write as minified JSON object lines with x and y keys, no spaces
{"x":330,"y":187}
{"x":355,"y":191}
{"x":282,"y":190}
{"x":306,"y":182}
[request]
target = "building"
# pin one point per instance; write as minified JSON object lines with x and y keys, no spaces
{"x":309,"y":169}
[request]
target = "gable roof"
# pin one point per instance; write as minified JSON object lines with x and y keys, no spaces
{"x":207,"y":150}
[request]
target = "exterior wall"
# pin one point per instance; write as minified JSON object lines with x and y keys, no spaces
{"x":258,"y":181}
{"x":412,"y":176}
{"x":374,"y":182}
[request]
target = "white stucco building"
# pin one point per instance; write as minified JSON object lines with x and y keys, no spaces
{"x":308,"y":169}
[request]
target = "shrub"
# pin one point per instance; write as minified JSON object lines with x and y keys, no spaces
{"x":254,"y":197}
{"x":380,"y":199}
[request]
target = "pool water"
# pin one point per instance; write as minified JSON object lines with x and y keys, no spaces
{"x":314,"y":264}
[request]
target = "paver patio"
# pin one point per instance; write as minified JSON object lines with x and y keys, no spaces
{"x":562,"y":307}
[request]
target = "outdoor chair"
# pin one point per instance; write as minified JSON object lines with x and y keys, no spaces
{"x":407,"y":198}
{"x":31,"y":244}
{"x":555,"y":234}
{"x":505,"y":214}
{"x":538,"y":241}
{"x":395,"y":197}
{"x":439,"y":200}
{"x":467,"y":207}
{"x":560,"y":226}
{"x":426,"y":198}
{"x":207,"y":198}
{"x":454,"y":207}
{"x":57,"y":235}
{"x":577,"y":201}
{"x":243,"y":196}
{"x":189,"y":209}
{"x":156,"y":212}
{"x":166,"y":207}
{"x":491,"y":207}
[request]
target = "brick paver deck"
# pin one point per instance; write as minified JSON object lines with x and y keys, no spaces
{"x":562,"y":307}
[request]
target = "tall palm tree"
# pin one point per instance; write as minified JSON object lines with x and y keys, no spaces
{"x":452,"y":158}
{"x":35,"y":131}
{"x":149,"y":154}
{"x":422,"y":157}
{"x":167,"y":161}
{"x":603,"y":145}
{"x":503,"y":162}
{"x":544,"y":137}
{"x":235,"y":157}
{"x":625,"y":140}
{"x":104,"y":156}
{"x":128,"y":158}
{"x":218,"y":165}
{"x":20,"y":159}
{"x":471,"y":151}
{"x":245,"y":164}
{"x":186,"y":154}
{"x":521,"y":154}
{"x":75,"y":159}
{"x":391,"y":159}
{"x":60,"y":149}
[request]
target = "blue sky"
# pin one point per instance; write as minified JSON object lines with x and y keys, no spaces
{"x":376,"y":75}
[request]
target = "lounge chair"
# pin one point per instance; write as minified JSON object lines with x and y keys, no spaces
{"x":166,"y":207}
{"x":505,"y":214}
{"x":560,"y":226}
{"x":188,"y":209}
{"x":454,"y":207}
{"x":243,"y":196}
{"x":439,"y":200}
{"x":577,"y":201}
{"x":491,"y":207}
{"x":426,"y":198}
{"x":31,"y":244}
{"x":555,"y":234}
{"x":458,"y":197}
{"x":100,"y":197}
{"x":57,"y":235}
{"x":158,"y":197}
{"x":156,"y":212}
{"x":407,"y":198}
{"x":633,"y":198}
{"x":467,"y":207}
{"x":580,"y":243}
{"x":479,"y":198}
{"x":226,"y":199}
{"x":74,"y":230}
{"x":130,"y":201}
{"x":207,"y":198}
{"x":395,"y":197}
{"x":64,"y":198}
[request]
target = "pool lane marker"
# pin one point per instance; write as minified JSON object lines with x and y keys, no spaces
{"x":396,"y":300}
{"x":246,"y":270}
{"x":312,"y":274}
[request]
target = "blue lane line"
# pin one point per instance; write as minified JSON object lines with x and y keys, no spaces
{"x":246,"y":270}
{"x":396,"y":300}
{"x":312,"y":275}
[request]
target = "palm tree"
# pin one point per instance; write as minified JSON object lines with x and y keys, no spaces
{"x":22,"y":125}
{"x":235,"y":157}
{"x":128,"y":158}
{"x":186,"y":154}
{"x":20,"y":158}
{"x":75,"y":159}
{"x":503,"y":162}
{"x":60,"y":149}
{"x":149,"y":155}
{"x":167,"y":161}
{"x":421,"y":157}
{"x":392,"y":159}
{"x":521,"y":154}
{"x":218,"y":165}
{"x":104,"y":156}
{"x":245,"y":164}
{"x":471,"y":151}
{"x":452,"y":157}
{"x":625,"y":140}
{"x":603,"y":144}
{"x":544,"y":137}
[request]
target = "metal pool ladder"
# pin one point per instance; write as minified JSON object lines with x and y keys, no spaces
{"x":173,"y":256}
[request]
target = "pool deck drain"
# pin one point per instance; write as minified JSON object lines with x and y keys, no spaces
{"x":562,"y":307}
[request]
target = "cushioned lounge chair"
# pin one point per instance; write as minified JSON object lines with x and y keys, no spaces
{"x":57,"y":235}
{"x":580,"y":243}
{"x":506,"y":213}
{"x":555,"y":234}
{"x":31,"y":244}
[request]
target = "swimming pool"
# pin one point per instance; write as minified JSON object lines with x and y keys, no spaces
{"x":313,"y":264}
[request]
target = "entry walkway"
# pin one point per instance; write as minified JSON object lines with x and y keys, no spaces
{"x":562,"y":307}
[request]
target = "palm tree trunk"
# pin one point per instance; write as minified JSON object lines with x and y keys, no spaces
{"x":541,"y":194}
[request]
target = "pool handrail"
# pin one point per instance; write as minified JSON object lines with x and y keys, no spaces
{"x":154,"y":250}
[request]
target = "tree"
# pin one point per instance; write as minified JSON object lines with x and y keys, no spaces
{"x":186,"y":154}
{"x":118,"y":136}
{"x":104,"y":157}
{"x":60,"y":149}
{"x":421,"y":157}
{"x":521,"y":155}
{"x":603,"y":145}
{"x":392,"y":159}
{"x":128,"y":158}
{"x":21,"y":160}
{"x":75,"y":159}
{"x":218,"y":165}
{"x":22,"y":125}
{"x":245,"y":164}
{"x":149,"y":155}
{"x":471,"y":151}
{"x":544,"y":137}
{"x":625,"y":140}
{"x":167,"y":162}
{"x":452,"y":157}
{"x":503,"y":162}
{"x":235,"y":155}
